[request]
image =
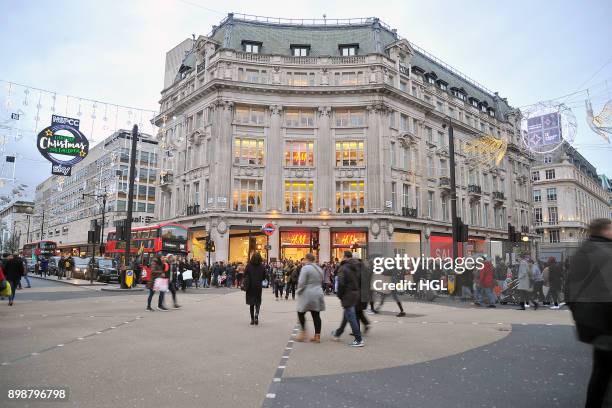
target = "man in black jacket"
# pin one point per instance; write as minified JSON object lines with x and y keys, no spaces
{"x":349,"y":294}
{"x":13,"y":271}
{"x":589,"y":296}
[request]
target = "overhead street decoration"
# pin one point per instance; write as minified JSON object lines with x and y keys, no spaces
{"x":545,"y":126}
{"x":62,"y":144}
{"x":602,"y":123}
{"x":488,"y":149}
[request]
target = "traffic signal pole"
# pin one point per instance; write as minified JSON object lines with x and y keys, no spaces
{"x":130,"y":203}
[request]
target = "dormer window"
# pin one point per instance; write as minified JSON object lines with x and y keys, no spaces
{"x":252,"y":47}
{"x":300,"y":50}
{"x":430,"y":80}
{"x":348,"y":50}
{"x":442,"y":85}
{"x":492,"y":112}
{"x":474,"y":102}
{"x":459,"y":94}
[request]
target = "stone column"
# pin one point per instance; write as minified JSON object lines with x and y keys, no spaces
{"x":222,"y":153}
{"x":274,"y":161}
{"x":324,"y":161}
{"x":324,"y":244}
{"x":220,"y":234}
{"x":378,"y":162}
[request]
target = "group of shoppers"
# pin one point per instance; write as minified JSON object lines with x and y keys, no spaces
{"x":309,"y":280}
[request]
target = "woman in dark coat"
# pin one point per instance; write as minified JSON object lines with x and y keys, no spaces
{"x":254,"y":274}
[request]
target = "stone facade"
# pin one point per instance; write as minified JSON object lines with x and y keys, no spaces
{"x":567,"y":195}
{"x":263,"y":125}
{"x":15,"y":224}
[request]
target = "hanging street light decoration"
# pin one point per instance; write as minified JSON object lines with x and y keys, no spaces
{"x":62,"y":144}
{"x":487,"y":149}
{"x":546,"y":126}
{"x":602,"y":123}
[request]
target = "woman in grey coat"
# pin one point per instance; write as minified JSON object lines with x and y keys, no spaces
{"x":525,"y":283}
{"x":310,"y":297}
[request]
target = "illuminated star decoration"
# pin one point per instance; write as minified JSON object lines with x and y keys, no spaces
{"x":82,"y":153}
{"x":48,"y":133}
{"x":487,"y":149}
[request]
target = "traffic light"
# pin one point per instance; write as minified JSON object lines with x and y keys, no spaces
{"x":513,"y":236}
{"x":91,"y":237}
{"x":462,"y":231}
{"x":209,"y":245}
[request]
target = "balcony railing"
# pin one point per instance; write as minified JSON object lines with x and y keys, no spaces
{"x":409,"y":212}
{"x":167,"y":178}
{"x":444,"y":182}
{"x":474,"y":189}
{"x":498,"y":195}
{"x":193,"y":209}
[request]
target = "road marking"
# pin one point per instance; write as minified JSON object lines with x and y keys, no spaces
{"x":80,"y":338}
{"x":276,"y":379}
{"x":270,"y":395}
{"x":34,"y":354}
{"x":60,"y":345}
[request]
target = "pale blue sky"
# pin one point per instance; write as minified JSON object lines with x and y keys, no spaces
{"x":114,"y":51}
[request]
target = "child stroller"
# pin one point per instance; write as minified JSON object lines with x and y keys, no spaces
{"x":510,"y":294}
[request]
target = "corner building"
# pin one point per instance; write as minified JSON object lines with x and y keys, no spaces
{"x":333,"y":131}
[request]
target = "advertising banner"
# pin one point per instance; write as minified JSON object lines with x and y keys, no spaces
{"x":62,"y":144}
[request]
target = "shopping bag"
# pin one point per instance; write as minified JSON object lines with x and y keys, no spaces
{"x":160,"y":285}
{"x":188,"y":274}
{"x":6,"y":292}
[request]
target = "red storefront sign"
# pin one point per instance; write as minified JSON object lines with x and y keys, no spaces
{"x":348,"y":238}
{"x":441,"y":246}
{"x":295,"y":238}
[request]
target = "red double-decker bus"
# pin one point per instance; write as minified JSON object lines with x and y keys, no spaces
{"x":149,"y":241}
{"x":33,"y":250}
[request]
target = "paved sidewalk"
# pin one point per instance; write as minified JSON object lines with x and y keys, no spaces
{"x":110,"y":352}
{"x":73,"y":282}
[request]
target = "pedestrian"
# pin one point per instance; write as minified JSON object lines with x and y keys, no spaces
{"x":279,"y":281}
{"x":525,"y":283}
{"x":206,"y":275}
{"x":157,"y":271}
{"x":254,"y":274}
{"x":538,"y":282}
{"x":13,"y":271}
{"x":229,"y":271}
{"x":171,"y":272}
{"x":348,"y":292}
{"x":553,"y":278}
{"x":61,"y":267}
{"x":69,"y":265}
{"x":239,"y":275}
{"x":195,"y":268}
{"x":310,"y":297}
{"x":589,"y":297}
{"x":25,"y":271}
{"x":486,"y":282}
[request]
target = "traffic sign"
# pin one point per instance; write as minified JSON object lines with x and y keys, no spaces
{"x":268,"y":229}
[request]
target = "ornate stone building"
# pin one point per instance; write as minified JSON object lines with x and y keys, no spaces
{"x":335,"y":132}
{"x":567,"y":195}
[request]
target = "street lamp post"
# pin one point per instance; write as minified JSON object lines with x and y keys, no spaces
{"x":453,"y":188}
